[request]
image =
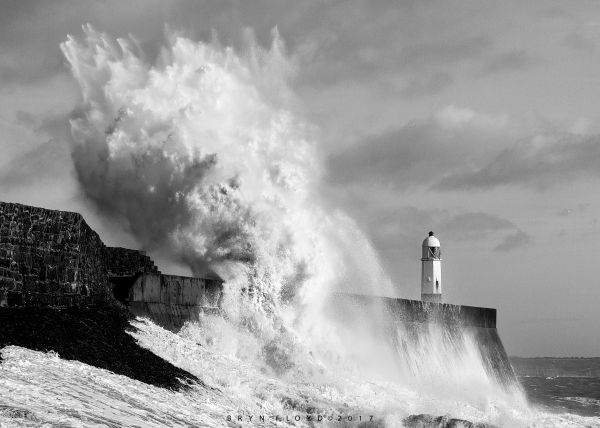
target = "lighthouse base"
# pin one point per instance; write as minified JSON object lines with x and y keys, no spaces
{"x":434,"y":298}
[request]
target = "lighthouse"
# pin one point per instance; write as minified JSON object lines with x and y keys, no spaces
{"x":431,"y":270}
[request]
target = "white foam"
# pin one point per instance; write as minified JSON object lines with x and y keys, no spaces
{"x":55,"y":391}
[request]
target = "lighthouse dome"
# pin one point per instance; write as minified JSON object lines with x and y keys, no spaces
{"x":431,"y":241}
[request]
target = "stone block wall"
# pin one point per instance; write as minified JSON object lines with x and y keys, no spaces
{"x":123,"y":262}
{"x":49,"y":258}
{"x":54,"y":259}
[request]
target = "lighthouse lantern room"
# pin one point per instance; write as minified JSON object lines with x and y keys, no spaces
{"x":431,"y":270}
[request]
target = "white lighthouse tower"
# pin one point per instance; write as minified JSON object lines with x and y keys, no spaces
{"x":431,"y":270}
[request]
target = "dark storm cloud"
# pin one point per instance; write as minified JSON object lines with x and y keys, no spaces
{"x":510,"y":61}
{"x":419,"y":153}
{"x":513,"y":241}
{"x":463,"y":156}
{"x":398,"y":158}
{"x":530,"y":164}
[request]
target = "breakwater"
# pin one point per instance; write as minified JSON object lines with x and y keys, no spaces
{"x":53,"y":259}
{"x":434,"y":330}
{"x":170,"y":300}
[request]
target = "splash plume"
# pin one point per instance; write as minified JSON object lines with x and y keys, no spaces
{"x":201,"y":153}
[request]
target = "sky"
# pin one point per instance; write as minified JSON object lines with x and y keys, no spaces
{"x":475,"y":119}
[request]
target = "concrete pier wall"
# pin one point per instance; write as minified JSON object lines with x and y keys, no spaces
{"x":171,"y":300}
{"x":407,"y":324}
{"x":405,"y":310}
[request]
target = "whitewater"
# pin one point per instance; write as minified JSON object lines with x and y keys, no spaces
{"x":44,"y":390}
{"x":200,"y":150}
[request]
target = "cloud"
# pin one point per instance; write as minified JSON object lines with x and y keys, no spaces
{"x":44,"y":158}
{"x":444,"y":51}
{"x":397,"y":230}
{"x":577,"y":41}
{"x":375,"y":61}
{"x":473,"y":226}
{"x":578,"y":209}
{"x":18,"y":68}
{"x":513,"y":241}
{"x":509,"y":61}
{"x":399,"y":158}
{"x":427,"y":85}
{"x":460,"y":117}
{"x":480,"y":226}
{"x":31,"y":31}
{"x":539,"y":162}
{"x":43,"y":163}
{"x":460,"y":149}
{"x":392,"y":227}
{"x":369,"y":46}
{"x":565,"y":212}
{"x":421,"y":152}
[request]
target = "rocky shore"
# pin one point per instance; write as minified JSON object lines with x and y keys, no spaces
{"x":96,"y":335}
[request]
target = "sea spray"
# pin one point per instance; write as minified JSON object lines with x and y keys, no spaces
{"x":43,"y":389}
{"x":200,"y":153}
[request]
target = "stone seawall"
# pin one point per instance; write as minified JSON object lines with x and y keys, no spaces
{"x":127,"y":262}
{"x":49,"y":258}
{"x":408,"y":324}
{"x":53,"y":258}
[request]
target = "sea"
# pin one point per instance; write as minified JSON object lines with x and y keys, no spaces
{"x":578,"y":395}
{"x":39,"y":389}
